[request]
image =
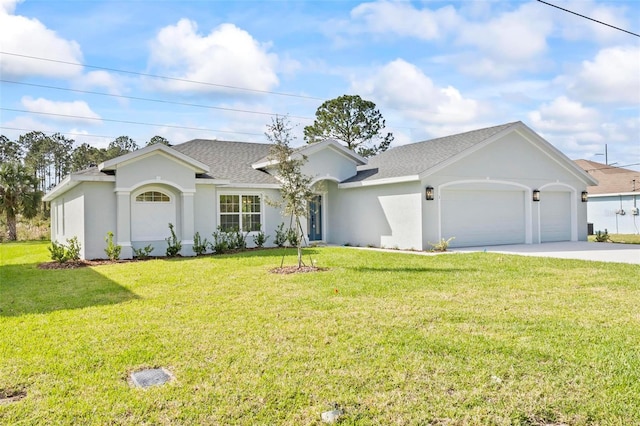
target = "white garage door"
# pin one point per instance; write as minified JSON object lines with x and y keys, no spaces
{"x":555,"y":216}
{"x":477,"y":218}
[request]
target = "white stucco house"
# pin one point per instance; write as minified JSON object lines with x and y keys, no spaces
{"x":613,"y":203}
{"x":499,"y":185}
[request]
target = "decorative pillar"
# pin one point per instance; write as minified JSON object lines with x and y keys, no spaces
{"x":188,"y":223}
{"x":123,"y":223}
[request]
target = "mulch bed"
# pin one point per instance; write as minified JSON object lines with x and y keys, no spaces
{"x":295,"y":270}
{"x":82,"y":263}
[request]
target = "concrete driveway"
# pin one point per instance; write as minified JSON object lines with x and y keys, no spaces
{"x":582,"y":250}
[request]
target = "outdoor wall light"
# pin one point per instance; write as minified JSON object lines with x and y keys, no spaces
{"x":585,"y":196}
{"x":536,"y":195}
{"x":428,"y":193}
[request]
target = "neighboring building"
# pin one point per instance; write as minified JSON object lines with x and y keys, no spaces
{"x":613,"y":203}
{"x":479,"y":187}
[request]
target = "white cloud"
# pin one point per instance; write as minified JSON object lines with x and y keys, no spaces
{"x":612,"y":77}
{"x":564,"y":115}
{"x":100,"y":79}
{"x":76,"y":110}
{"x":403,"y":19}
{"x":403,"y":86}
{"x":573,"y":27}
{"x":31,"y":38}
{"x":227,"y":56}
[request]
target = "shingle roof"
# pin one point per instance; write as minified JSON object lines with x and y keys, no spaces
{"x":229,"y":160}
{"x":415,"y":158}
{"x":611,"y":180}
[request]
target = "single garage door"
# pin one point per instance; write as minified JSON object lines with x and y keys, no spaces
{"x":483,"y":217}
{"x":555,"y":216}
{"x":151,"y":213}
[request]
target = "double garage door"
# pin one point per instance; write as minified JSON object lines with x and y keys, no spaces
{"x":497,"y":217}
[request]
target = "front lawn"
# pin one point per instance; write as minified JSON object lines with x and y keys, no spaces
{"x":621,"y":238}
{"x":392,"y":338}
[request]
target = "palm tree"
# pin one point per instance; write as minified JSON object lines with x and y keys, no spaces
{"x":18,"y":195}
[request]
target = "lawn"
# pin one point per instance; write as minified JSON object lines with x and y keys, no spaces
{"x":621,"y":238}
{"x":392,"y":338}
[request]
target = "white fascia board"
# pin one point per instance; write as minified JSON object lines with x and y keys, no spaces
{"x":72,"y":181}
{"x":202,"y":181}
{"x":335,"y":146}
{"x":252,"y":185}
{"x":264,"y":164}
{"x":375,"y":182}
{"x":194,"y":164}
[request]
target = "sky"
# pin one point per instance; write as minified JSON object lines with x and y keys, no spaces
{"x":94,"y":70}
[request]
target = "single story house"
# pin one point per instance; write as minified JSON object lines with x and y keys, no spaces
{"x":613,"y":203}
{"x":499,"y":185}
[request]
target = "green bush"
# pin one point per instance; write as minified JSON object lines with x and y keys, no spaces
{"x":220,"y":241}
{"x":602,"y":237}
{"x":143,"y":253}
{"x":260,"y":239}
{"x":112,"y":250}
{"x":281,"y":236}
{"x":225,"y":241}
{"x":292,"y":237}
{"x":199,"y":245}
{"x":73,"y":249}
{"x":443,"y":245}
{"x":174,"y":246}
{"x":58,"y":252}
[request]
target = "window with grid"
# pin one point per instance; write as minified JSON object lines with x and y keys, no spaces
{"x":153,"y":197}
{"x":240,"y":212}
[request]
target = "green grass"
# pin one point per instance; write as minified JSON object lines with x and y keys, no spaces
{"x":621,"y":238}
{"x":451,"y":339}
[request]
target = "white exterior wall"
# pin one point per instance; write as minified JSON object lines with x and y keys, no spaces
{"x":329,"y":164}
{"x":68,"y":217}
{"x":601,"y":211}
{"x":99,"y":217}
{"x":382,"y":216}
{"x":507,"y":164}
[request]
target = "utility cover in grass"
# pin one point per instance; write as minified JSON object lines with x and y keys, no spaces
{"x":150,"y":377}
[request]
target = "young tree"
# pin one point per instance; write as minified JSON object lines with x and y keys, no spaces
{"x":295,"y":187}
{"x":354,"y":121}
{"x":18,"y":195}
{"x":158,"y":139}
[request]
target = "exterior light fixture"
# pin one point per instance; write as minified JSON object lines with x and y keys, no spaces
{"x":585,"y":196}
{"x":428,"y":193}
{"x":536,"y":195}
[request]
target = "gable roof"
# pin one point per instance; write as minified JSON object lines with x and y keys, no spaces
{"x":309,"y":149}
{"x":113,"y":164}
{"x":414,"y":161}
{"x":611,"y":180}
{"x":230,"y":160}
{"x":416,"y":158}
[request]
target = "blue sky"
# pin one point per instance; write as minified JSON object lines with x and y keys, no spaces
{"x":433,"y":68}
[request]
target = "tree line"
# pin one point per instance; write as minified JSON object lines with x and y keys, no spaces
{"x":36,"y":162}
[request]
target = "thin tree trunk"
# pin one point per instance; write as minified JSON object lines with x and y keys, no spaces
{"x":11,"y":224}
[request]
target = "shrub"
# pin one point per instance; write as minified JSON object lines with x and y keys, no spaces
{"x":260,"y":239}
{"x":73,"y":249}
{"x":58,"y":252}
{"x":443,"y":245}
{"x":199,"y":245}
{"x":281,"y":236}
{"x":292,"y":237}
{"x":237,"y":240}
{"x":143,"y":253}
{"x":220,"y":241}
{"x":112,"y":250}
{"x":174,"y":246}
{"x":602,"y":237}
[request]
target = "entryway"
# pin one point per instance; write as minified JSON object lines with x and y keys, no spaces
{"x":314,"y":221}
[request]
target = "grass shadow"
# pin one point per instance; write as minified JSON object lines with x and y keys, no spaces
{"x":264,"y":252}
{"x":26,"y":289}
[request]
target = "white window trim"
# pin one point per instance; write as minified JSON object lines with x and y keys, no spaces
{"x":135,"y":195}
{"x":240,"y":194}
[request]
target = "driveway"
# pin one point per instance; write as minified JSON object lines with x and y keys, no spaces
{"x":582,"y":250}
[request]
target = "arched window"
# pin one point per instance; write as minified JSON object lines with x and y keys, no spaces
{"x":153,"y":197}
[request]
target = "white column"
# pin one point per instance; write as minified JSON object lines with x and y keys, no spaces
{"x":188,"y":223}
{"x":123,"y":223}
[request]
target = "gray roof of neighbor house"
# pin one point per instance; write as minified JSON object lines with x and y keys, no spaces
{"x":415,"y":158}
{"x":611,"y":180}
{"x":229,"y":160}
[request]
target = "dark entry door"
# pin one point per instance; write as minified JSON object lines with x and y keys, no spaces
{"x":314,"y":224}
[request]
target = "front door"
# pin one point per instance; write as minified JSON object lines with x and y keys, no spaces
{"x":314,"y":224}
